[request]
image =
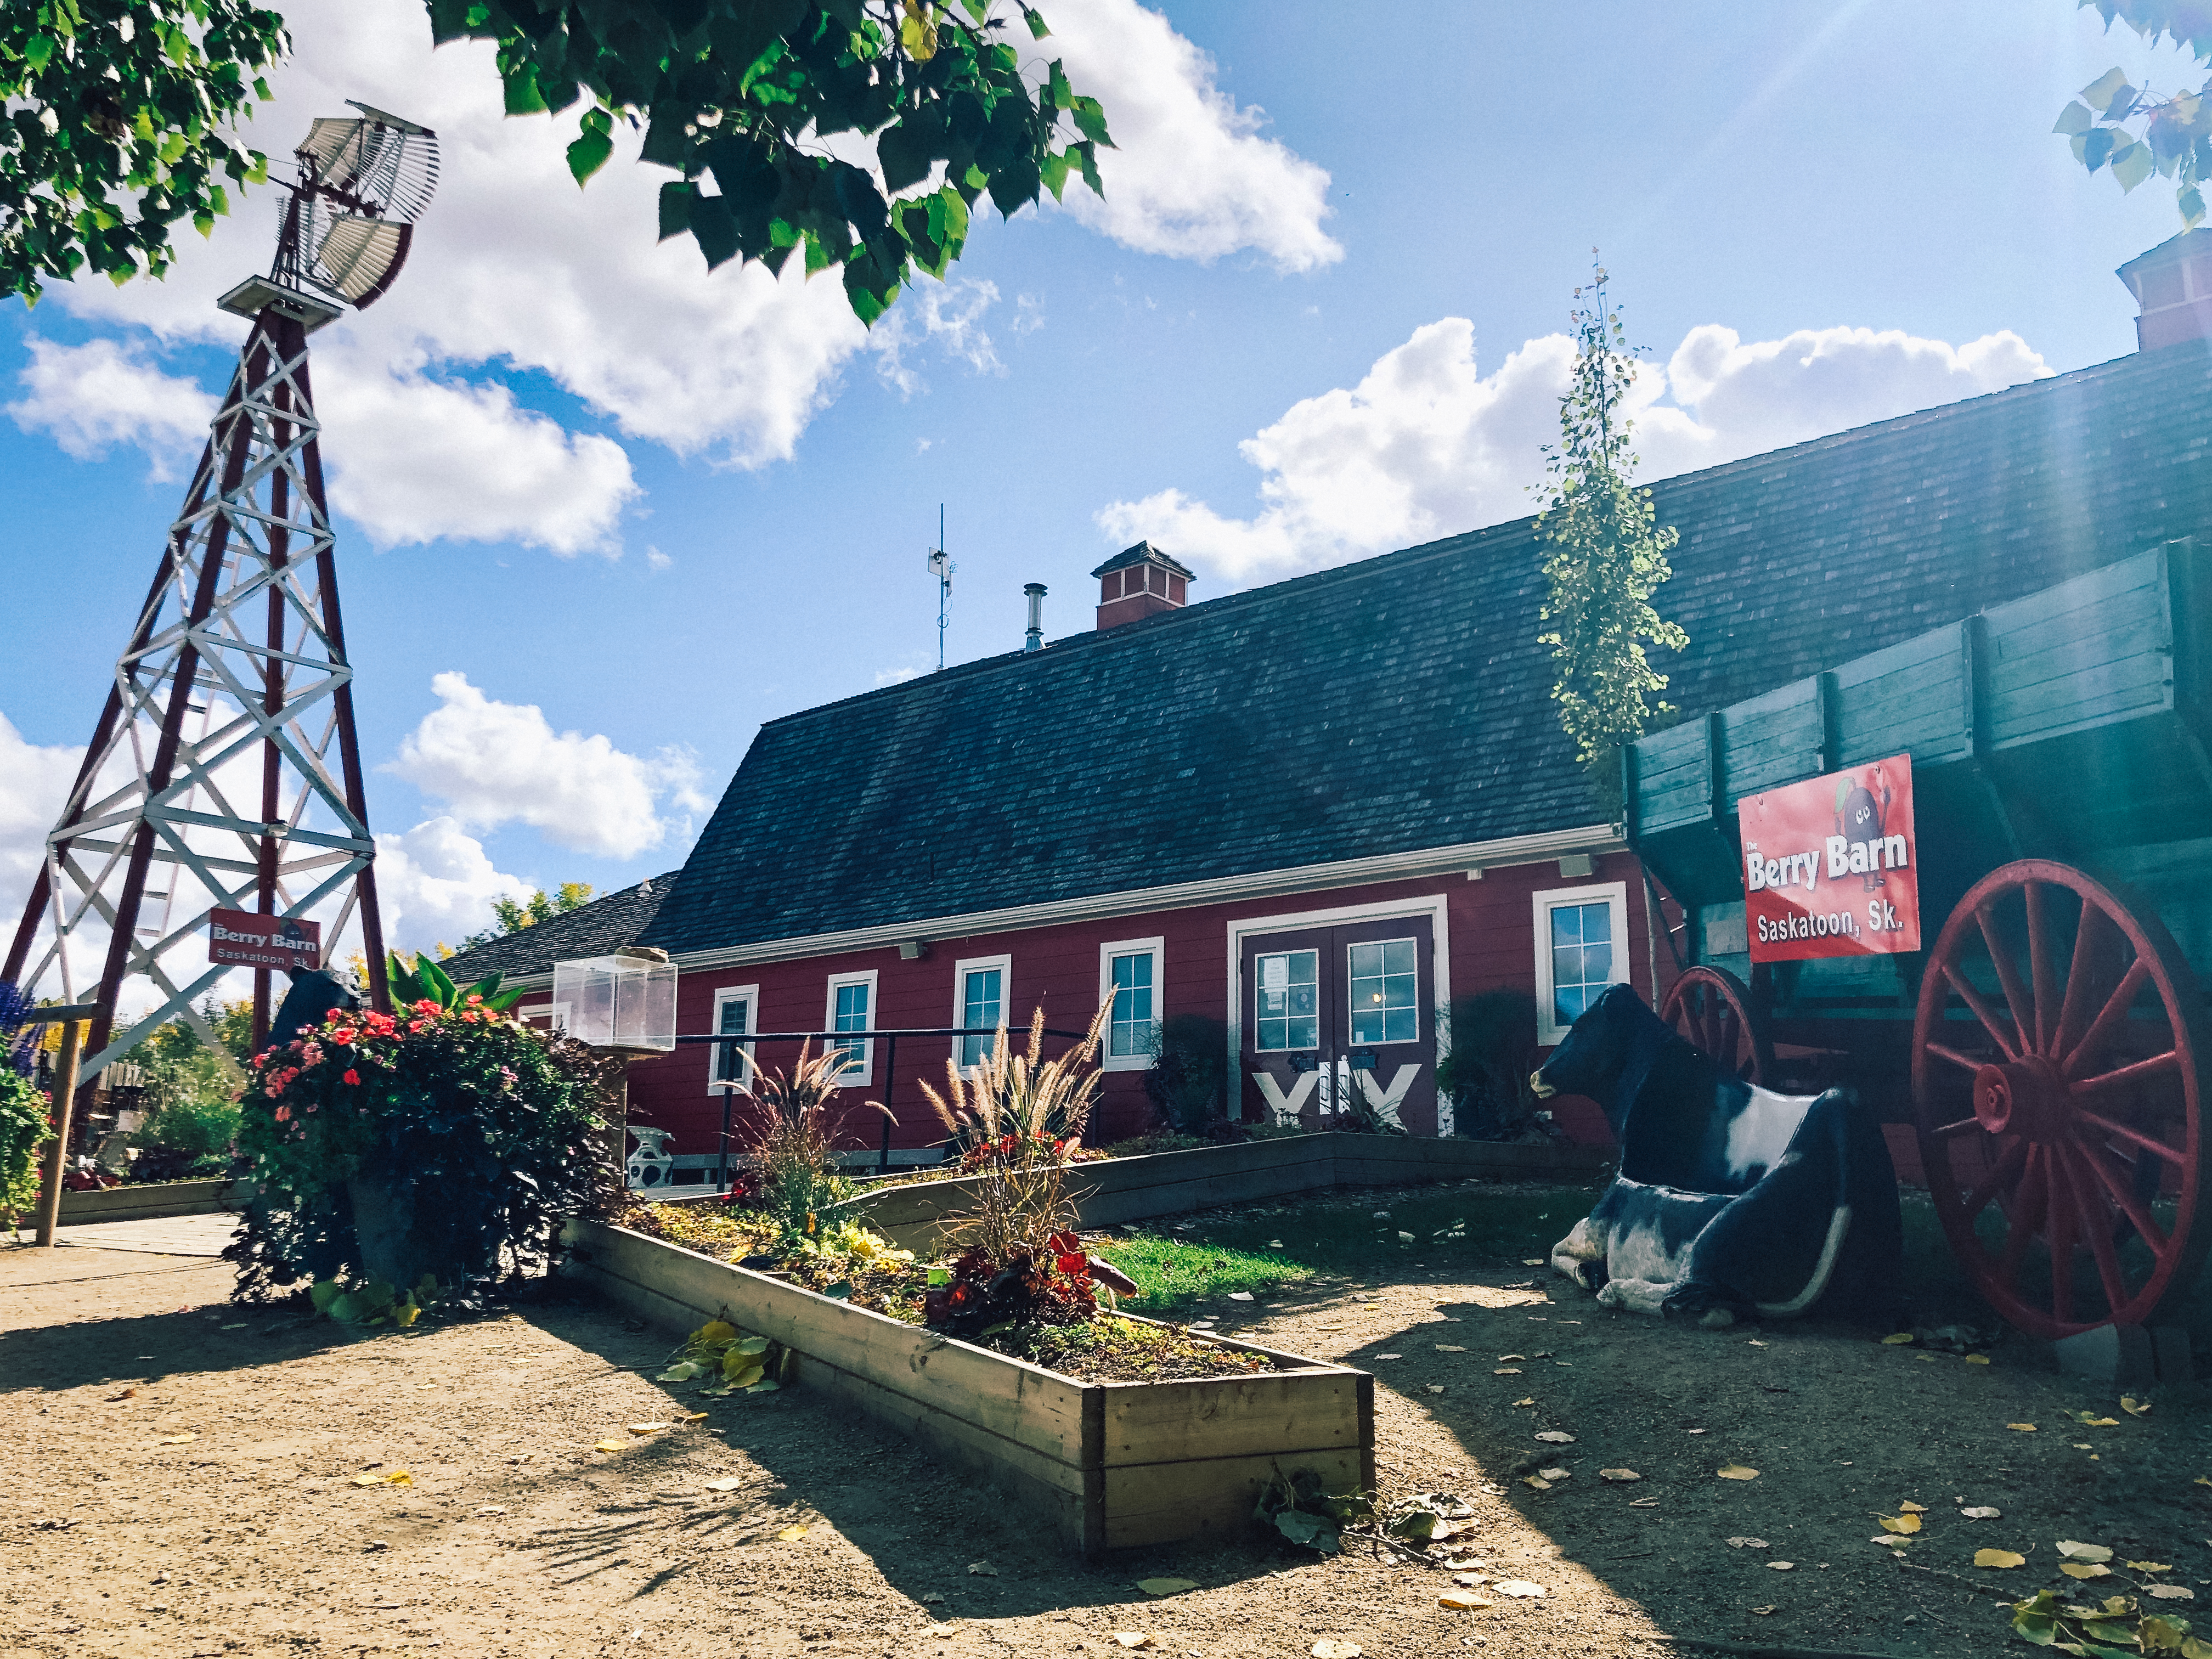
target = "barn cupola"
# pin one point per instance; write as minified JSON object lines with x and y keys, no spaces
{"x":2172,"y":286}
{"x":1137,"y":581}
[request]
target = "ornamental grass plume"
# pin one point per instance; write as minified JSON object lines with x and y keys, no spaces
{"x":789,"y":1141}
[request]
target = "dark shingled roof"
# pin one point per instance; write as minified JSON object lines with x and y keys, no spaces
{"x":1403,"y":703}
{"x":598,"y":929}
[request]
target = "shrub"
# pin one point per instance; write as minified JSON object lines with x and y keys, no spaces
{"x":24,"y":1127}
{"x":1189,"y":1082}
{"x":1494,"y":1044}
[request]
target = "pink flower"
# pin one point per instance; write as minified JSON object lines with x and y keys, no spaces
{"x":284,"y":1114}
{"x":261,"y":1059}
{"x":344,"y":1036}
{"x":354,"y":1077}
{"x":473,"y":1001}
{"x":414,"y":1024}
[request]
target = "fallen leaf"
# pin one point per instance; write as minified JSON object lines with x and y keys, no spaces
{"x":396,"y":1477}
{"x":1897,"y":1339}
{"x":2025,"y":1428}
{"x":610,"y":1445}
{"x":1556,"y":1437}
{"x":1999,"y":1558}
{"x":693,"y":1417}
{"x":1884,"y":1538}
{"x":1389,"y":1356}
{"x":1978,"y":1359}
{"x":1908,"y":1507}
{"x":2204,"y":1480}
{"x":2074,"y":1550}
{"x":982,"y":1569}
{"x":1762,"y":1612}
{"x":1618,"y":1475}
{"x":127,"y":1394}
{"x":1644,"y":1503}
{"x":1517,"y":1587}
{"x":2172,"y":1592}
{"x":1462,"y":1601}
{"x":491,"y":1509}
{"x":1435,"y":1387}
{"x":1555,"y":1475}
{"x":1532,"y":1260}
{"x":1240,"y":1296}
{"x":1531,"y":1400}
{"x":1133,"y":1638}
{"x":647,"y":1428}
{"x":1748,"y":1543}
{"x":2135,"y":1407}
{"x":1982,"y":1512}
{"x":1503,"y":1357}
{"x":1503,"y":1370}
{"x":1756,"y":1343}
{"x":1166,"y":1586}
{"x":2150,"y":1567}
{"x":2090,"y":1420}
{"x":1470,"y":1580}
{"x":1737,"y":1471}
{"x":1783,"y":1566}
{"x":176,"y":1440}
{"x":792,"y":1534}
{"x":1536,"y":1482}
{"x":1899,"y":1523}
{"x":2083,"y":1445}
{"x":1450,"y":1347}
{"x":1327,"y":1648}
{"x":727,"y":1483}
{"x":2085,"y":1569}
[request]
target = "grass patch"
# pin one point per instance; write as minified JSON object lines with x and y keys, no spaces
{"x":1267,"y":1247}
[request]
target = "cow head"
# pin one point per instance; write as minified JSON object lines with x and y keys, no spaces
{"x":1613,"y":1041}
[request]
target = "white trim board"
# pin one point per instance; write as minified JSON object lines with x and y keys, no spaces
{"x":866,"y":1077}
{"x":1004,"y":961}
{"x":1156,"y":948}
{"x":749,"y":995}
{"x":1537,"y":849}
{"x":1433,"y":906}
{"x":1615,"y":894}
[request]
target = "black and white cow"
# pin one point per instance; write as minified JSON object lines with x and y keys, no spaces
{"x":1731,"y":1201}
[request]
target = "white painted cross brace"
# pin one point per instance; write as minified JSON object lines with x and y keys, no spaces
{"x":1287,"y":1107}
{"x":1386,"y":1102}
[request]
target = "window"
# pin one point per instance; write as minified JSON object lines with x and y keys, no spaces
{"x":851,"y":1005}
{"x":1287,"y":1014}
{"x":980,"y":988}
{"x":732,"y":1065}
{"x":1130,"y":972}
{"x":1581,"y":948}
{"x":1384,"y":979}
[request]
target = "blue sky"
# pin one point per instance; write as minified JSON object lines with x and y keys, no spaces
{"x":627,"y":511}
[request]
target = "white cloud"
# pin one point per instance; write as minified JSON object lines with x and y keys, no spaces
{"x":1029,"y":313}
{"x":34,"y":780}
{"x":436,"y":884}
{"x":896,"y":675}
{"x":426,"y":458}
{"x":657,"y":560}
{"x":104,"y":393}
{"x":1426,"y":445}
{"x":949,"y":315}
{"x":498,"y":762}
{"x":1192,"y":177}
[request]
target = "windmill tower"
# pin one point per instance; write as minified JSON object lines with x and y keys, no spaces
{"x":224,"y":773}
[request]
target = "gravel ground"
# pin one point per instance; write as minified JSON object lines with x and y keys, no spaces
{"x":178,"y":1482}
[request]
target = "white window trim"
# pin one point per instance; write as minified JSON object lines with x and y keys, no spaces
{"x":1433,"y":906}
{"x":961,"y":970}
{"x":1157,"y":948}
{"x":749,"y":995}
{"x":1615,"y":894}
{"x":866,"y":1077}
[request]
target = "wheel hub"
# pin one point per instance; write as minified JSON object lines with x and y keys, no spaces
{"x":2021,"y":1097}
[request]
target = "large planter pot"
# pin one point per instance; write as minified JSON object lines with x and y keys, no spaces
{"x":391,"y":1246}
{"x":1102,"y":1465}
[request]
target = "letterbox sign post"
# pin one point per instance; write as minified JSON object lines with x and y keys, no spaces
{"x":239,"y":938}
{"x":1829,"y":865}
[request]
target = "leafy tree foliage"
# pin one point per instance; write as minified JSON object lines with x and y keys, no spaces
{"x":739,"y":97}
{"x":513,"y":915}
{"x":2136,"y":132}
{"x":1604,"y":555}
{"x":115,"y":125}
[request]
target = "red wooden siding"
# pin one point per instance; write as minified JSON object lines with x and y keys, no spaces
{"x":1492,"y":945}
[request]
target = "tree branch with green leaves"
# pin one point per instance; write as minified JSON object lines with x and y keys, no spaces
{"x":2137,"y":132}
{"x":1605,"y":556}
{"x":115,"y":123}
{"x":740,"y":98}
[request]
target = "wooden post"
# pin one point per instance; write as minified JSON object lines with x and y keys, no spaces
{"x":50,"y":1197}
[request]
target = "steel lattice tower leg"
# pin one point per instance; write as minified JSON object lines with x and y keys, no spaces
{"x":209,"y":782}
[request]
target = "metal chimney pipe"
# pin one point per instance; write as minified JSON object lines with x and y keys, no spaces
{"x":1034,"y":639}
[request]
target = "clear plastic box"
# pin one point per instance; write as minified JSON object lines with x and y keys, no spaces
{"x":623,"y":1003}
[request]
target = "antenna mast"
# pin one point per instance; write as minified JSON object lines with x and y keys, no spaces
{"x":942,"y":569}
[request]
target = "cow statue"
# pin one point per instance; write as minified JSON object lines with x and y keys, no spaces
{"x":1731,"y":1201}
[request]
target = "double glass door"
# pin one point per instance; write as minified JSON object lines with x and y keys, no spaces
{"x":1335,"y":1016}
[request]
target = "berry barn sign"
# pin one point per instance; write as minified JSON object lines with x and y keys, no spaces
{"x":1830,"y":867}
{"x":239,"y":938}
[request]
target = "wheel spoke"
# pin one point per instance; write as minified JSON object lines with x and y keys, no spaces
{"x":2096,"y":1228}
{"x":2040,"y":970}
{"x":2128,"y":1076}
{"x":2017,"y":1000}
{"x":1983,"y":1011}
{"x":2030,"y":1204}
{"x":2001,"y":1174}
{"x":2133,"y":1137}
{"x":2082,"y":976}
{"x":1957,"y":1058}
{"x":2123,"y":1194}
{"x":2114,"y":1010}
{"x":1963,"y":1126}
{"x":2060,"y":1234}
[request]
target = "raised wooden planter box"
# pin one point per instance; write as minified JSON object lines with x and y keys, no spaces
{"x":147,"y":1203}
{"x":1104,"y":1466}
{"x":1124,"y":1189}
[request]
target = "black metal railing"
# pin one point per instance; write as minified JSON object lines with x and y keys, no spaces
{"x":725,"y":1066}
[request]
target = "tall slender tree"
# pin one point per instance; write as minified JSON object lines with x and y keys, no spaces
{"x":1605,"y":555}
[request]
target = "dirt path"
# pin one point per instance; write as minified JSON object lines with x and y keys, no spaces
{"x":118,"y":1537}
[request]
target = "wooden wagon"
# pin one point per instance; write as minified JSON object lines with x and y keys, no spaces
{"x":2048,"y":1044}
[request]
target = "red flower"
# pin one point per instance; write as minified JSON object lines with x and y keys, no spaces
{"x":354,"y":1077}
{"x":344,"y":1036}
{"x":284,"y":1114}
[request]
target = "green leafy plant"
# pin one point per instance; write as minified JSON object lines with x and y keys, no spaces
{"x":1299,"y":1508}
{"x":789,"y":1142}
{"x":24,"y":1127}
{"x":2136,"y":132}
{"x":1605,"y":556}
{"x":428,"y":982}
{"x":1189,"y":1082}
{"x":740,"y":94}
{"x":373,"y":1302}
{"x":115,"y":117}
{"x":513,"y":915}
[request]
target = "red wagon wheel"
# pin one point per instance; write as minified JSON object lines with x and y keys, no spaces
{"x":2055,"y":1074}
{"x":1711,"y":1009}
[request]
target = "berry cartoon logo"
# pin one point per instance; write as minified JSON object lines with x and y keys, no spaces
{"x":1829,"y":865}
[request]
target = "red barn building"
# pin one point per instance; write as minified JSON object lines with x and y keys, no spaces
{"x":1319,"y":811}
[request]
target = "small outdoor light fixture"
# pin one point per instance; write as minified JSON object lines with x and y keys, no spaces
{"x":624,"y":1002}
{"x":913,"y":950}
